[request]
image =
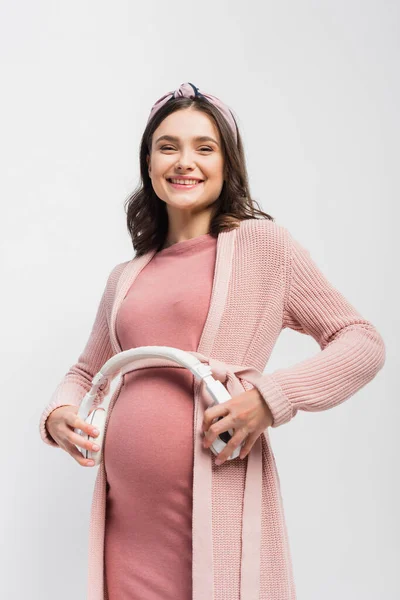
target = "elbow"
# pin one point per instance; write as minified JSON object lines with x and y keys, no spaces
{"x":380,"y":351}
{"x":365,"y":347}
{"x":373,"y":351}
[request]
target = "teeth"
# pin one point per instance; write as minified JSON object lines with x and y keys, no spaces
{"x":185,"y":181}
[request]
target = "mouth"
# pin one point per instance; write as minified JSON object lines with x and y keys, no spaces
{"x":183,"y":186}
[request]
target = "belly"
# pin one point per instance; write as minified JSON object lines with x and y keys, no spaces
{"x":148,"y":449}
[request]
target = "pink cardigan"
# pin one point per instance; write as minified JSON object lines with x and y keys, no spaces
{"x":264,"y":281}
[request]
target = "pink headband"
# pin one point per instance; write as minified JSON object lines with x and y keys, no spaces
{"x":188,"y":90}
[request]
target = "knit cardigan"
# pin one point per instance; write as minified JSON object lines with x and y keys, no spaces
{"x":264,"y":281}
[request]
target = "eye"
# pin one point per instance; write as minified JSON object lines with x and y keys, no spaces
{"x":204,"y":148}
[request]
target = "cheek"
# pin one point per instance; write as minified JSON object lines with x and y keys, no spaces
{"x":215,"y":168}
{"x":161,"y":165}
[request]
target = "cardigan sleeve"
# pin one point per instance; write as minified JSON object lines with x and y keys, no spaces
{"x":352,"y":350}
{"x":78,"y":379}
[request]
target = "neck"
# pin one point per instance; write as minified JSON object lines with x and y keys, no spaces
{"x":179,"y":232}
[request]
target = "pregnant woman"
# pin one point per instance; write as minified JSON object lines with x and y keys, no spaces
{"x":213,"y":274}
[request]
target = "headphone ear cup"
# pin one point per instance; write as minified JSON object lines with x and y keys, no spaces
{"x":97,"y":419}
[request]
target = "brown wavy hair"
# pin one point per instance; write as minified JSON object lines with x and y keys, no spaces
{"x":147,"y":217}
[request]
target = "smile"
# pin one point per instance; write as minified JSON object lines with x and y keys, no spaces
{"x":186,"y":186}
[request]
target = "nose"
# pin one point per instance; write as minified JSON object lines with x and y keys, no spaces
{"x":185,"y":161}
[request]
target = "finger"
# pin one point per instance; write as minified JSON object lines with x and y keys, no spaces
{"x":220,"y":426}
{"x":81,"y":441}
{"x":77,"y":455}
{"x":233,"y":443}
{"x":212,"y":412}
{"x":77,"y":423}
{"x":247,"y":446}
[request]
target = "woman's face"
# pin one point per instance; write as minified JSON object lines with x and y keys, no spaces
{"x":183,"y":152}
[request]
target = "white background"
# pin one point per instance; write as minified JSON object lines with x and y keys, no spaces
{"x":315,"y":88}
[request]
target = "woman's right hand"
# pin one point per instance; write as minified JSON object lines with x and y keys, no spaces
{"x":61,"y":423}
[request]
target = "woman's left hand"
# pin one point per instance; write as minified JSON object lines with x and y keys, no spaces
{"x":247,"y":414}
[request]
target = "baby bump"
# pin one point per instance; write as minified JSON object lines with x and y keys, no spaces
{"x":148,"y":448}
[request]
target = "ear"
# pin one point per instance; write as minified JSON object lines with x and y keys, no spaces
{"x":148,"y":164}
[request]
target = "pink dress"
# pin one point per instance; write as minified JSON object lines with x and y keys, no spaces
{"x":148,"y":449}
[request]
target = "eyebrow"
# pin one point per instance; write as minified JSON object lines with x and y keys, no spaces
{"x":199,"y":138}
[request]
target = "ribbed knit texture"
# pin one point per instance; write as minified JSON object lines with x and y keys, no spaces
{"x":273,"y":283}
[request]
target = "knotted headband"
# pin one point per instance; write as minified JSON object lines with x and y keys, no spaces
{"x":188,"y":90}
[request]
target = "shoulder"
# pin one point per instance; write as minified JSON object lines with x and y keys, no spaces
{"x":263,"y":236}
{"x":114,"y":276}
{"x":116,"y":271}
{"x":263,"y":227}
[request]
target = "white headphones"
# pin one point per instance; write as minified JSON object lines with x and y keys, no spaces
{"x":121,"y":363}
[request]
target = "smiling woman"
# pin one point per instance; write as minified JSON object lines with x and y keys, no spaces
{"x":189,"y":138}
{"x":167,"y":520}
{"x":185,"y":174}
